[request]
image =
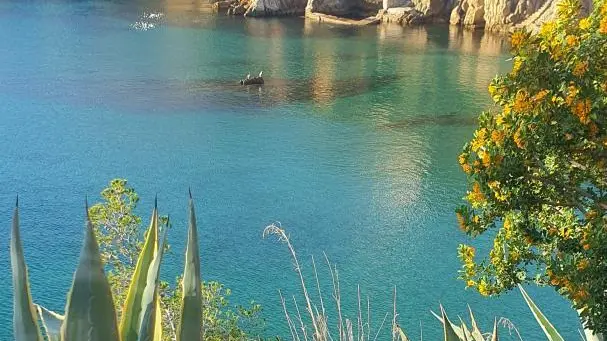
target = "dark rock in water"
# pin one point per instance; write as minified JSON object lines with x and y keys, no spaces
{"x":252,"y":81}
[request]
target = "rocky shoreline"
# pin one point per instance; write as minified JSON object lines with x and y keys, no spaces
{"x":490,"y":15}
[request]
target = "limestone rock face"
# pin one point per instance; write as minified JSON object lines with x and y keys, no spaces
{"x":402,"y":16}
{"x":335,"y":7}
{"x":434,"y":8}
{"x":396,"y":3}
{"x":503,"y":15}
{"x":261,"y":8}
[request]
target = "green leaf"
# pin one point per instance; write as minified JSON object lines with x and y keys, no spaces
{"x":51,"y":323}
{"x":149,"y":300}
{"x":25,"y":323}
{"x":448,"y":331}
{"x":476,"y":333}
{"x":131,"y":313}
{"x":547,"y":327}
{"x":191,"y":309}
{"x":90,"y":313}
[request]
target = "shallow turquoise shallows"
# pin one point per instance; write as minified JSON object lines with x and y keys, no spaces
{"x":351,"y":145}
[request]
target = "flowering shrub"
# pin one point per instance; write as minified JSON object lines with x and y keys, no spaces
{"x":537,"y":167}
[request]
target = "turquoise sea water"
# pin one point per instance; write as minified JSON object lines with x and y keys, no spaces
{"x":351,"y":145}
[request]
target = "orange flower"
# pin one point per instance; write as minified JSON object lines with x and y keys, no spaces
{"x":583,"y":264}
{"x":572,"y":93}
{"x":580,"y":68}
{"x":603,"y":26}
{"x":486,"y":159}
{"x":540,"y":95}
{"x":466,"y":168}
{"x":517,"y":39}
{"x":497,"y":136}
{"x":581,"y":109}
{"x":571,"y":40}
{"x":476,"y":196}
{"x":521,"y":102}
{"x":586,"y":247}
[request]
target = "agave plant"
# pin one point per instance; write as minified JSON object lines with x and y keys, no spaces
{"x":90,"y":313}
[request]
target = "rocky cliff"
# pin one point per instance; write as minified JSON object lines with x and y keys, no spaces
{"x":505,"y":15}
{"x":343,"y":8}
{"x":260,"y":8}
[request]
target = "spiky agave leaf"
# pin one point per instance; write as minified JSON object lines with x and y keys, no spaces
{"x":131,"y":313}
{"x":448,"y":330}
{"x":51,"y":322}
{"x":150,"y":307}
{"x":494,"y":336}
{"x":90,"y":313}
{"x":191,"y":309}
{"x":551,"y":333}
{"x":25,"y":324}
{"x":476,"y":333}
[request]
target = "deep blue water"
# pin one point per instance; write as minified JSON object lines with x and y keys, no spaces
{"x":351,"y":145}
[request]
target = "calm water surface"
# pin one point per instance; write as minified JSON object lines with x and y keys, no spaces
{"x":351,"y":145}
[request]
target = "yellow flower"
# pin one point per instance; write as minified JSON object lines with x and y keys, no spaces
{"x":476,"y":196}
{"x":507,"y":109}
{"x":466,"y":167}
{"x":584,"y":24}
{"x":479,"y":139}
{"x":518,"y":64}
{"x":583,"y":264}
{"x":517,"y":39}
{"x":476,"y":219}
{"x":571,"y":40}
{"x":580,"y":68}
{"x":462,"y":159}
{"x":470,"y":283}
{"x":547,"y":28}
{"x":486,"y":159}
{"x":483,"y":288}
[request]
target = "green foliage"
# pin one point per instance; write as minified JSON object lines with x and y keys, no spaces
{"x":537,"y":168}
{"x":120,"y":236}
{"x":90,"y":309}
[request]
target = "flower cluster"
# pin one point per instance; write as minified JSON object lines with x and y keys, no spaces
{"x":537,"y":167}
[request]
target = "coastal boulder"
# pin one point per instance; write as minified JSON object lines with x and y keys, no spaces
{"x":261,"y":8}
{"x":342,"y":8}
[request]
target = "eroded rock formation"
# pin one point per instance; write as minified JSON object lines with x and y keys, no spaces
{"x":343,"y":8}
{"x":261,"y":8}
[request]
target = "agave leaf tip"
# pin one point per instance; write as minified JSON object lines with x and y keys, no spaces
{"x":17,"y":201}
{"x":156,"y":201}
{"x":190,"y":192}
